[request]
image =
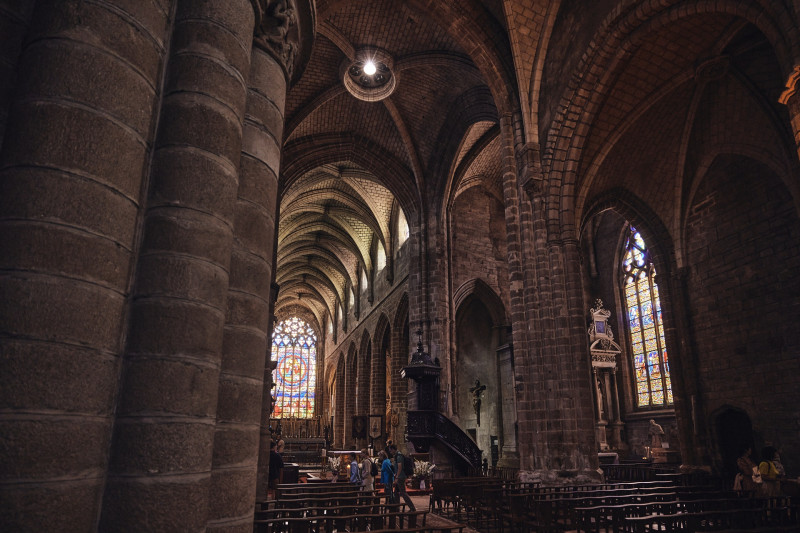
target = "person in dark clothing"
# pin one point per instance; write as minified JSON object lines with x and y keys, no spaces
{"x":275,"y":466}
{"x":400,"y":479}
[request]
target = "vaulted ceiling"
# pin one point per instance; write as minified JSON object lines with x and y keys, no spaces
{"x":355,"y":158}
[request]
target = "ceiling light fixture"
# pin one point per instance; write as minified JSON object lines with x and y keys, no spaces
{"x":368,"y":74}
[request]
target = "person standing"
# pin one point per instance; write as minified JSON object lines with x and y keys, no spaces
{"x":400,"y":479}
{"x":355,"y":473}
{"x":770,"y":475}
{"x":387,"y":474}
{"x":275,"y":467}
{"x":368,"y":482}
{"x":749,"y":477}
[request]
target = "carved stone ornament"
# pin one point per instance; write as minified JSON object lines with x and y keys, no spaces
{"x":276,"y":30}
{"x":712,"y":69}
{"x":603,"y":348}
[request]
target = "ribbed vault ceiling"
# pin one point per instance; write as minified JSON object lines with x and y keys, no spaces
{"x":351,"y":165}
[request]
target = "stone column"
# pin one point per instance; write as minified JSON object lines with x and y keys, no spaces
{"x":252,"y":291}
{"x":616,"y":424}
{"x":363,"y":380}
{"x":265,"y":432}
{"x":246,"y":340}
{"x":160,"y":468}
{"x":70,"y":191}
{"x":510,"y":455}
{"x":14,"y":19}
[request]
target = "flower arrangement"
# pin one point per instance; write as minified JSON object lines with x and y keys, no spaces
{"x":422,"y":471}
{"x":334,"y":462}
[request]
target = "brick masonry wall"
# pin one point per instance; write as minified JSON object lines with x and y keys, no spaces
{"x":743,"y":245}
{"x":478,"y":240}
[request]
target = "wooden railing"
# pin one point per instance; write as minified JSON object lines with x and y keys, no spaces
{"x":426,"y":426}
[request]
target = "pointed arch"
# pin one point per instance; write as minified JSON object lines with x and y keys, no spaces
{"x":477,"y":288}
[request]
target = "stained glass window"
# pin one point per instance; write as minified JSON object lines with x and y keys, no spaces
{"x":294,"y":347}
{"x":650,"y":363}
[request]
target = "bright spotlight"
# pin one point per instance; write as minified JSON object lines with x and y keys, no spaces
{"x":369,"y":68}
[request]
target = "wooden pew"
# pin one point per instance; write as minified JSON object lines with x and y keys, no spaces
{"x":303,"y":511}
{"x":327,"y":523}
{"x":748,"y":519}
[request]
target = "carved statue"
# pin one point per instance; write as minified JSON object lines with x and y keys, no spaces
{"x":477,"y":392}
{"x":273,"y":27}
{"x":656,"y":432}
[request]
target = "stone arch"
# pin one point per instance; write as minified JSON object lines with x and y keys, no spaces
{"x":678,"y":334}
{"x":400,"y":358}
{"x":381,"y":383}
{"x":364,"y":380}
{"x":340,"y":396}
{"x":480,"y":323}
{"x":350,"y":384}
{"x":306,"y":154}
{"x":477,"y":288}
{"x":621,"y":34}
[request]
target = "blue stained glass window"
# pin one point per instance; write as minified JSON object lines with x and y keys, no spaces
{"x":294,"y":347}
{"x":653,"y":385}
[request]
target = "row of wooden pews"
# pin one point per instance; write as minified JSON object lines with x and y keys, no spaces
{"x":494,"y":505}
{"x":338,"y":507}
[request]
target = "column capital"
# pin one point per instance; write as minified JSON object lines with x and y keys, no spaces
{"x":285,"y":29}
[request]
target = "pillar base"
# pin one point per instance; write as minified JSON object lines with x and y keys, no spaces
{"x":509,"y":459}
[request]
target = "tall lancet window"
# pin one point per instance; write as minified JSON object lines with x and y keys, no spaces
{"x":650,"y":363}
{"x":294,"y":347}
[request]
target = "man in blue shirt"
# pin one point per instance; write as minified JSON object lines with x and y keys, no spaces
{"x":387,"y":475}
{"x":355,"y":473}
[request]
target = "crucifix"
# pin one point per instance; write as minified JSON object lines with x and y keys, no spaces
{"x":477,"y":392}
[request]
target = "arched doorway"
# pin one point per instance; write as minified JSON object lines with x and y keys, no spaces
{"x":734,"y":433}
{"x":481,"y":382}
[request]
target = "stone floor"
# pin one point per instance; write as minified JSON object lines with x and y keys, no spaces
{"x":423,"y":502}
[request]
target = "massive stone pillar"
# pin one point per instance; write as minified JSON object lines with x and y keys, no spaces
{"x":14,"y":19}
{"x":71,"y":174}
{"x":556,"y":435}
{"x":250,"y":293}
{"x":160,"y":467}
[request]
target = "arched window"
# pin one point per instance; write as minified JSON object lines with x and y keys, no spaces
{"x":402,"y":229}
{"x":294,"y":347}
{"x":381,"y":260}
{"x":650,"y":363}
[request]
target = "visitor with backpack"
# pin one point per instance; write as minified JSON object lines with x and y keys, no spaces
{"x":401,"y":468}
{"x":369,"y":471}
